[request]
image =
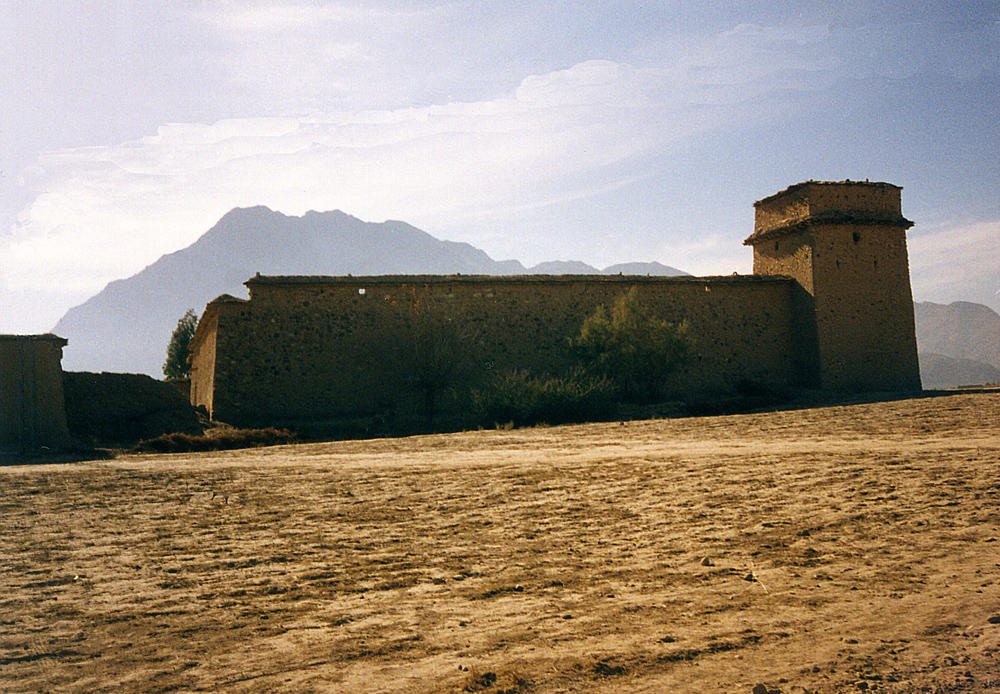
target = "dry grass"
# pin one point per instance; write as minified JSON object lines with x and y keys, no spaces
{"x":829,"y":550}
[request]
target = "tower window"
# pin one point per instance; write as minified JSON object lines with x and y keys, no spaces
{"x":856,"y":236}
{"x":776,"y":244}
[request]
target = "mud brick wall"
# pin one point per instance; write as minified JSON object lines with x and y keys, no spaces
{"x":305,"y":348}
{"x":817,"y":201}
{"x":115,"y":409}
{"x":203,"y":350}
{"x":864,"y":309}
{"x":32,"y":414}
{"x":845,"y":245}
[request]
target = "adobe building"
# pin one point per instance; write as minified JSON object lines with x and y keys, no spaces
{"x":828,"y":306}
{"x":32,"y":411}
{"x":844,"y":246}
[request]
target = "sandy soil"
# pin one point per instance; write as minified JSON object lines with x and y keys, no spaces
{"x":835,"y":549}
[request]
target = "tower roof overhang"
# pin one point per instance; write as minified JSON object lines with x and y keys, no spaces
{"x":827,"y":219}
{"x":811,"y":203}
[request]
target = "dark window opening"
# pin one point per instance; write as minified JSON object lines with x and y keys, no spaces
{"x":856,"y":236}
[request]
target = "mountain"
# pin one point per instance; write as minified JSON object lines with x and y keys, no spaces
{"x":939,"y":371}
{"x":654,"y":268}
{"x":961,"y":330}
{"x":564,"y":267}
{"x":575,"y":267}
{"x":958,"y":343}
{"x":126,"y":327}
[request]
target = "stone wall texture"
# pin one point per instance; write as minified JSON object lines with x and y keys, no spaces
{"x":305,"y":348}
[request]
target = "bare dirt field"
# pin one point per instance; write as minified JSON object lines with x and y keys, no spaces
{"x":836,"y":549}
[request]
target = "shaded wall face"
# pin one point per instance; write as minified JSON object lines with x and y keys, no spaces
{"x":203,"y":363}
{"x":32,"y":411}
{"x":791,"y":255}
{"x":299,"y":352}
{"x":114,"y":409}
{"x":864,"y":308}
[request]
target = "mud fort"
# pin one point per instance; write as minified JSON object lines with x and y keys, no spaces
{"x":828,"y":306}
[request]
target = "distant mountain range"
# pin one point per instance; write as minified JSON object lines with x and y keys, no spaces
{"x":939,"y":371}
{"x":959,"y":344}
{"x":126,"y":327}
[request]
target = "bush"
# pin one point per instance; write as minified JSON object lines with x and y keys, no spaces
{"x":178,"y":363}
{"x":632,"y":347}
{"x":218,"y":440}
{"x":519,"y":398}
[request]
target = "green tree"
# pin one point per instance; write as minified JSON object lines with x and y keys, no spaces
{"x":178,"y":351}
{"x":632,"y":347}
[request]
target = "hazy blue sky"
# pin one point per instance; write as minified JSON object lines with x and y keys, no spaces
{"x":603,"y":132}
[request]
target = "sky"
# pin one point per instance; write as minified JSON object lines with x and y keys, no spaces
{"x":604,"y":132}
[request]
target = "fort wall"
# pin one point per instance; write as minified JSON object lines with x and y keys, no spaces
{"x":864,"y":315}
{"x":203,"y":349}
{"x":306,"y":348}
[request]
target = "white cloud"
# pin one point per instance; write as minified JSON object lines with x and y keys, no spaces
{"x":105,"y":212}
{"x":956,"y":264}
{"x":262,"y":18}
{"x":747,"y":61}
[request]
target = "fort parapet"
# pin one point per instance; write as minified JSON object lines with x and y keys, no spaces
{"x":828,"y":306}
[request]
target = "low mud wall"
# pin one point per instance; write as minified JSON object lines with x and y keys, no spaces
{"x":112,"y":409}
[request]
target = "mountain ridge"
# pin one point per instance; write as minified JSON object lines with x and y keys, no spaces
{"x":960,"y":330}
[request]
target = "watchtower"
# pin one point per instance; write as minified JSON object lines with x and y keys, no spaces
{"x":845,"y":245}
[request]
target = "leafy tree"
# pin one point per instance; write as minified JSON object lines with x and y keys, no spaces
{"x":632,"y":347}
{"x":437,"y":356}
{"x":430,"y":348}
{"x":178,"y":351}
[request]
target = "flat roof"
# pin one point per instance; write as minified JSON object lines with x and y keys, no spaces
{"x":506,"y":279}
{"x":47,"y":337}
{"x":805,"y":184}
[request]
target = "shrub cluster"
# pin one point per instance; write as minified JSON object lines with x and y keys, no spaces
{"x":216,"y":441}
{"x":518,"y":398}
{"x":633,"y":347}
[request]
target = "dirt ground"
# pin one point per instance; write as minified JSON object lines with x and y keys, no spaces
{"x":837,"y":549}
